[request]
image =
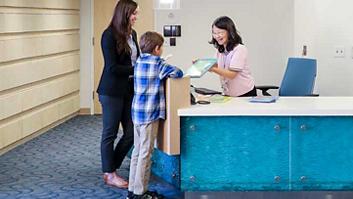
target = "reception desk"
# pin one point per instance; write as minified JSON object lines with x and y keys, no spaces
{"x":297,"y":143}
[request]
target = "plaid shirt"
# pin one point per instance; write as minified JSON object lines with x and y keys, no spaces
{"x":149,"y":99}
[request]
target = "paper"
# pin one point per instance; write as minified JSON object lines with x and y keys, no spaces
{"x":220,"y":99}
{"x":200,"y":67}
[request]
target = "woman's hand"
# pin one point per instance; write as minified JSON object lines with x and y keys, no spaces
{"x":213,"y":68}
{"x":223,"y":72}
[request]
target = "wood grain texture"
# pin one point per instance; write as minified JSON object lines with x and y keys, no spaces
{"x":47,"y":4}
{"x":38,"y":69}
{"x":31,"y":122}
{"x":39,"y":65}
{"x":32,"y":97}
{"x":103,"y":13}
{"x":177,"y":96}
{"x":25,"y":47}
{"x":33,"y":21}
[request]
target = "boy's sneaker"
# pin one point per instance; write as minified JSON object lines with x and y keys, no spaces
{"x":149,"y":195}
{"x":130,"y":195}
{"x":154,"y":195}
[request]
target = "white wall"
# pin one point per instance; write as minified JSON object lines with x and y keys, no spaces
{"x":86,"y":70}
{"x":322,"y":25}
{"x":273,"y":30}
{"x":266,"y":28}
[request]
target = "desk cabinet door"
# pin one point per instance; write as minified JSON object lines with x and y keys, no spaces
{"x":234,"y":153}
{"x":322,"y":153}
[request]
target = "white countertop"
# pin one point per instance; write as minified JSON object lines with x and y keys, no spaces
{"x":285,"y":106}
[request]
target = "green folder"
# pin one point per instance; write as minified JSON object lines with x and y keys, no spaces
{"x":200,"y":67}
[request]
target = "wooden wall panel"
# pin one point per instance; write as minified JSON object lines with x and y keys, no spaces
{"x":49,"y":115}
{"x":20,"y":127}
{"x":31,"y":123}
{"x":24,"y":20}
{"x":177,"y":96}
{"x":41,"y":45}
{"x":32,"y":97}
{"x":69,"y":106}
{"x":10,"y":132}
{"x":58,"y":4}
{"x":9,"y":104}
{"x":39,"y":65}
{"x":22,"y":73}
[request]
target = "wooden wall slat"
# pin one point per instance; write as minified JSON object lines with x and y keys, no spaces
{"x":69,"y":106}
{"x":32,"y":122}
{"x":39,"y":65}
{"x":9,"y":104}
{"x":10,"y":132}
{"x":38,"y":95}
{"x":27,"y":22}
{"x":52,"y":4}
{"x":19,"y":74}
{"x":27,"y":47}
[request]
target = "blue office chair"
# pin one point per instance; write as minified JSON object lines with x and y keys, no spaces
{"x":298,"y":79}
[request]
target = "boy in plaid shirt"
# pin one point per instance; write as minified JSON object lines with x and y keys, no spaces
{"x":148,"y":107}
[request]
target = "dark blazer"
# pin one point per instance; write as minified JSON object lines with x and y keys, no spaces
{"x":117,"y":67}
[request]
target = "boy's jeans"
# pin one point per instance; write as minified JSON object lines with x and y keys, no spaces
{"x":140,"y":166}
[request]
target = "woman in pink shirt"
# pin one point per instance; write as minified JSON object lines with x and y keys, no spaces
{"x":232,"y":59}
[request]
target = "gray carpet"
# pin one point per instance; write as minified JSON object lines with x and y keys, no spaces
{"x":64,"y":163}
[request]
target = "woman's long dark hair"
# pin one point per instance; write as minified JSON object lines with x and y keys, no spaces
{"x":121,"y":24}
{"x":234,"y":38}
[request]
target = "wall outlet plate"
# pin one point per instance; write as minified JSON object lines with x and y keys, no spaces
{"x":339,"y":52}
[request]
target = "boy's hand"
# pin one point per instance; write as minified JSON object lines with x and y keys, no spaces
{"x":194,"y":61}
{"x":167,"y":57}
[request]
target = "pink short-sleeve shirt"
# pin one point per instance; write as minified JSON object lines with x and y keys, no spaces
{"x":236,"y":60}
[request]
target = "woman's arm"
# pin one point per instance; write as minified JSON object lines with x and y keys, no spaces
{"x":223,"y":72}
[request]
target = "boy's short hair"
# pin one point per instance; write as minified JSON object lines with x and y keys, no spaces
{"x":149,"y":40}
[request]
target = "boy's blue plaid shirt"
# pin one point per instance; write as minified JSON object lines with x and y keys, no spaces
{"x":149,"y":98}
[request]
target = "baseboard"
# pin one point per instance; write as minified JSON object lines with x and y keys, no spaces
{"x":36,"y":134}
{"x":85,"y":111}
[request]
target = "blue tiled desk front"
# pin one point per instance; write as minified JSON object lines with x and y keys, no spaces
{"x":266,"y":153}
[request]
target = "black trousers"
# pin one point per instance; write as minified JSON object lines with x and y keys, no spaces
{"x":251,"y":93}
{"x":116,"y":110}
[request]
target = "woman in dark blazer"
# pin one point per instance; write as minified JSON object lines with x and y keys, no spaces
{"x":115,"y":89}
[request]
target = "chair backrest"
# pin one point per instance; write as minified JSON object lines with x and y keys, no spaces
{"x":299,"y":78}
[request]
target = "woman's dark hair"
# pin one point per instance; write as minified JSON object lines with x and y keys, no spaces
{"x":234,"y":38}
{"x":149,"y":41}
{"x":121,"y":24}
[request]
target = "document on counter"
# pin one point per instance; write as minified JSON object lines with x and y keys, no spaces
{"x":219,"y":99}
{"x":200,"y":67}
{"x":263,"y":99}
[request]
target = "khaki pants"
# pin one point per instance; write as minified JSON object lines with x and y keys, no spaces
{"x":140,"y":166}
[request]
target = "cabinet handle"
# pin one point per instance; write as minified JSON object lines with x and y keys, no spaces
{"x":192,"y":178}
{"x":277,"y":179}
{"x":277,"y":127}
{"x":192,"y":128}
{"x":303,"y":127}
{"x":302,"y":179}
